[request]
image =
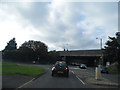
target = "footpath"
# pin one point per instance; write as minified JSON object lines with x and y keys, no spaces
{"x":89,"y":78}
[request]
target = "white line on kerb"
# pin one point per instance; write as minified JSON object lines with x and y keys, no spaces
{"x":25,"y":83}
{"x":80,"y":80}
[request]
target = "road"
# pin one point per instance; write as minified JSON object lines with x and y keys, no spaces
{"x":47,"y":81}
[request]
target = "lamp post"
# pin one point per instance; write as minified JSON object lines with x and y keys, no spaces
{"x":100,"y":42}
{"x":101,"y":50}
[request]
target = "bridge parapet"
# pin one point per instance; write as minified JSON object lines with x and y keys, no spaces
{"x":81,"y":53}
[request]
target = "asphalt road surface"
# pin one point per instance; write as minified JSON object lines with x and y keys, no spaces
{"x":47,"y":81}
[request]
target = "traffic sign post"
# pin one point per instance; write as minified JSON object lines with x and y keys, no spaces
{"x":63,"y":58}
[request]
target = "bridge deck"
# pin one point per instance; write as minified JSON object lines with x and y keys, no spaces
{"x":81,"y":53}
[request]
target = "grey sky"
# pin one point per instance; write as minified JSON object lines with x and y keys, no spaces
{"x":73,"y":25}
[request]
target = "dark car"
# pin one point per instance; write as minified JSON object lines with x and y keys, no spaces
{"x":60,"y":68}
{"x":82,"y":66}
{"x":103,"y":69}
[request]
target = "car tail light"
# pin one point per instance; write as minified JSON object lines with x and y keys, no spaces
{"x":66,"y":68}
{"x":53,"y":68}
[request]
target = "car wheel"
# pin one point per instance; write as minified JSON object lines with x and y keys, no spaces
{"x":52,"y":74}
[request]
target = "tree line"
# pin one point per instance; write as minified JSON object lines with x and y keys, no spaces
{"x":29,"y":51}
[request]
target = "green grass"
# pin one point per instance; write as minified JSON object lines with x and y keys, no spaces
{"x":8,"y":63}
{"x":0,"y":63}
{"x":32,"y":71}
{"x":12,"y":68}
{"x":114,"y":71}
{"x":0,"y":68}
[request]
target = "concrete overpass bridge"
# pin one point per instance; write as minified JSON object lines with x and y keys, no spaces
{"x":89,"y":57}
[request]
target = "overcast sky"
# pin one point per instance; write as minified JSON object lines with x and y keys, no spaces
{"x":70,"y":25}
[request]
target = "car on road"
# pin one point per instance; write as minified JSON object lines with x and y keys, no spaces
{"x":103,"y":69}
{"x":82,"y":66}
{"x":60,"y":68}
{"x":33,"y":62}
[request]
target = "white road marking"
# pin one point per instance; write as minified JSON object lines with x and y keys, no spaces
{"x":25,"y":84}
{"x":80,"y":80}
{"x":72,"y":72}
{"x":74,"y":68}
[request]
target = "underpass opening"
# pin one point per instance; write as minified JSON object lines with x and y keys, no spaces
{"x":90,"y":61}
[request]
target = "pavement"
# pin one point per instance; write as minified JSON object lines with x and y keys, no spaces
{"x":89,"y":78}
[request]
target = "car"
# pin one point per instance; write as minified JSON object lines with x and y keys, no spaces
{"x":33,"y":62}
{"x":82,"y":66}
{"x":60,"y":68}
{"x":103,"y":69}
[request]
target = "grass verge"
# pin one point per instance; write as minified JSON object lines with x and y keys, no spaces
{"x":114,"y":71}
{"x":8,"y":63}
{"x":0,"y":68}
{"x":32,"y":71}
{"x":12,"y":68}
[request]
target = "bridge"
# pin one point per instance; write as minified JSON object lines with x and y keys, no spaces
{"x":81,"y":53}
{"x":89,"y":57}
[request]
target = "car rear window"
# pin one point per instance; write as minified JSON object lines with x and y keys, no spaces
{"x":60,"y":64}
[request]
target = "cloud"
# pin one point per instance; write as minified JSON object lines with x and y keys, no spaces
{"x":73,"y":25}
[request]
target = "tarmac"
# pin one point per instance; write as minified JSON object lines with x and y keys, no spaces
{"x":89,"y":78}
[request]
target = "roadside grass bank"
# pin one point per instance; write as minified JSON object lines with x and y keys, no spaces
{"x":12,"y":68}
{"x":113,"y":68}
{"x":114,"y":72}
{"x":0,"y":68}
{"x":7,"y":63}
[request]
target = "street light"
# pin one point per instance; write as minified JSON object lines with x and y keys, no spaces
{"x":100,"y":42}
{"x":101,"y":50}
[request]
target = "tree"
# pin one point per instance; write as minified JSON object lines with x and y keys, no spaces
{"x":26,"y":54}
{"x":112,"y":50}
{"x":9,"y":53}
{"x":39,"y":49}
{"x":35,"y":45}
{"x":53,"y":56}
{"x":11,"y":45}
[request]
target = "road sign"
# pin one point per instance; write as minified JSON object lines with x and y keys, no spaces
{"x":62,"y":58}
